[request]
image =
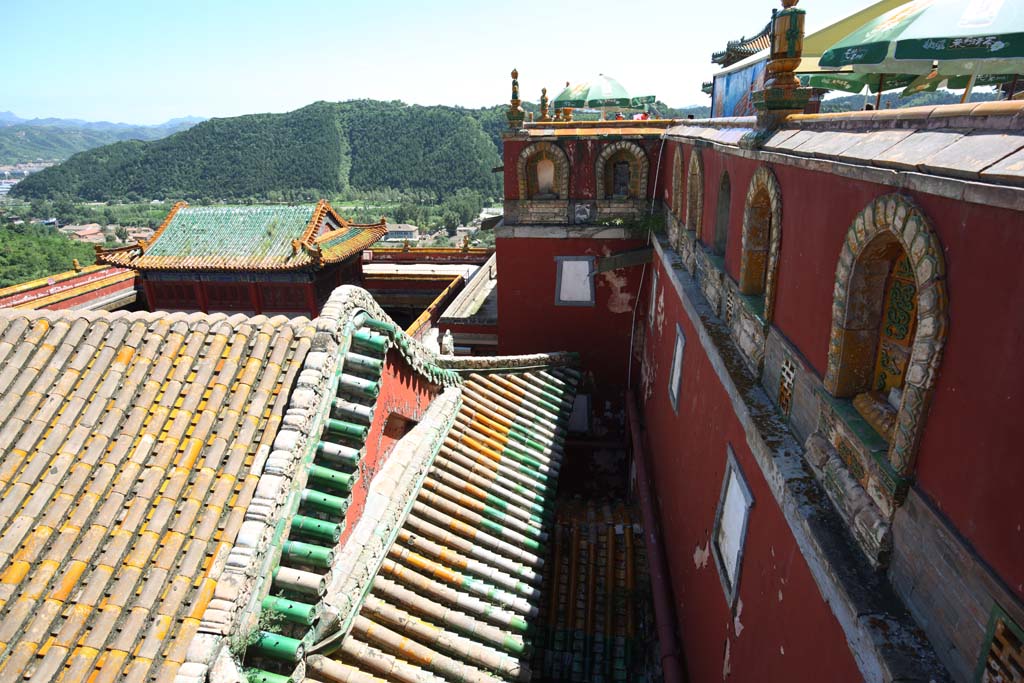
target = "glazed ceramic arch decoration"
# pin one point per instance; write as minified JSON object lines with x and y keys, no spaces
{"x":889,"y":219}
{"x":678,"y":204}
{"x":639,"y":167}
{"x":536,"y":152}
{"x":762,"y":238}
{"x":695,"y":193}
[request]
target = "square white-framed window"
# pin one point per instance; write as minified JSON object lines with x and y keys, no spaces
{"x":654,"y":299}
{"x":579,"y":419}
{"x":730,"y":530}
{"x":575,"y":283}
{"x":675,"y":375}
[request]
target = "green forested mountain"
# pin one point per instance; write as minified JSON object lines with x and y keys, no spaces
{"x":48,"y":141}
{"x":324,"y":148}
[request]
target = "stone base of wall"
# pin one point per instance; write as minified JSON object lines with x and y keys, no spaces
{"x":947,"y":588}
{"x":536,"y":211}
{"x":746,"y":324}
{"x":626,"y":209}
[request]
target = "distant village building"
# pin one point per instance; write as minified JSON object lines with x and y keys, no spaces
{"x":464,"y":231}
{"x":399,"y":232}
{"x":90,"y":232}
{"x":252,"y":259}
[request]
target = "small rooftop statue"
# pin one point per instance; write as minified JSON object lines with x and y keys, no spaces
{"x":515,"y":115}
{"x":544,"y":105}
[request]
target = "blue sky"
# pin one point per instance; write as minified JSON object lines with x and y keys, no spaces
{"x":145,"y":62}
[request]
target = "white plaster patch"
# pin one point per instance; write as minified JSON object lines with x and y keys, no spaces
{"x":782,"y":651}
{"x":619,"y":300}
{"x":701,"y":555}
{"x":780,"y":595}
{"x":648,"y":375}
{"x":726,"y":666}
{"x":737,"y":625}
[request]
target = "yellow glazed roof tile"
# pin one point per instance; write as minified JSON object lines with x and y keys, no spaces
{"x":128,"y":439}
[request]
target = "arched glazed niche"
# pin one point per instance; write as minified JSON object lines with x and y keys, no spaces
{"x":891,"y":231}
{"x":622,"y":152}
{"x":530,"y":175}
{"x":695,"y":193}
{"x":762,"y":238}
{"x":678,"y":185}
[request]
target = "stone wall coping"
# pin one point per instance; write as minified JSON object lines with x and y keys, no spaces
{"x":959,"y":189}
{"x":594,"y":232}
{"x":997,"y":115}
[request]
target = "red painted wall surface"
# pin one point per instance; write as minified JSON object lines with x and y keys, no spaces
{"x":530,"y":322}
{"x":102,"y":293}
{"x":969,"y":460}
{"x":63,"y":283}
{"x":782,"y":629}
{"x":403,"y":392}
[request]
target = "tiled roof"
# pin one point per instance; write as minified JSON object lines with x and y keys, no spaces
{"x":596,"y":615}
{"x":130,"y":442}
{"x":744,"y":47}
{"x":457,"y":594}
{"x":449,"y":549}
{"x":269,"y":237}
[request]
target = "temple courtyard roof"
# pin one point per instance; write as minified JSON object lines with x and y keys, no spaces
{"x":251,"y":237}
{"x":176,"y":486}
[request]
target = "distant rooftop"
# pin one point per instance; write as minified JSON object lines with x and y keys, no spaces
{"x":258,"y":237}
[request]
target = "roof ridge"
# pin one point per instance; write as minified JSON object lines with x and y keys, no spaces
{"x":146,"y":244}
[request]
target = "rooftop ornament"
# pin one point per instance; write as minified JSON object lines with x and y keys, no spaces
{"x":515,"y":114}
{"x":782,"y":94}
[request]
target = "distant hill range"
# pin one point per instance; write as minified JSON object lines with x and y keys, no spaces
{"x":51,"y":139}
{"x":893,"y":100}
{"x":322,"y":149}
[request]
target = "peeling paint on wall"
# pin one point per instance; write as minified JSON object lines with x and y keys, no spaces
{"x":737,"y":625}
{"x":619,"y":300}
{"x":659,"y":314}
{"x":648,"y":375}
{"x":726,"y":667}
{"x":701,"y":555}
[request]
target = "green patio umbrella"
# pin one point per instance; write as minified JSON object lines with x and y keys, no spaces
{"x":856,"y":82}
{"x":604,"y":92}
{"x":966,"y":36}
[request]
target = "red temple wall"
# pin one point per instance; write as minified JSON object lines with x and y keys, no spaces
{"x":404,"y":393}
{"x":782,"y":629}
{"x":972,"y":435}
{"x":530,"y":322}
